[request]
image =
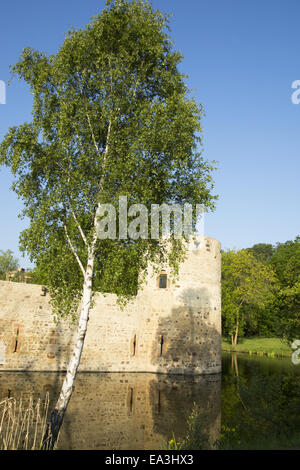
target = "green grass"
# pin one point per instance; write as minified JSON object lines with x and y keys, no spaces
{"x":257,"y":345}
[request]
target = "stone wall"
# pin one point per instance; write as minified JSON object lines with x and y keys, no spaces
{"x":173,"y":330}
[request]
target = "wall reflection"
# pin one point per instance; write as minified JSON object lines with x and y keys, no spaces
{"x":124,"y":411}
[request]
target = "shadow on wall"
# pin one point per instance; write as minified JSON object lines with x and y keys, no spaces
{"x":187,"y":341}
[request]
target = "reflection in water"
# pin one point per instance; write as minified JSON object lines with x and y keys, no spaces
{"x":124,"y":411}
{"x":260,"y":403}
{"x":260,"y":406}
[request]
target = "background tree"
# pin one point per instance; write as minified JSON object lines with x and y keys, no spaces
{"x":112,"y":116}
{"x":262,"y":251}
{"x":286,"y":263}
{"x":247,"y":285}
{"x":7,"y":262}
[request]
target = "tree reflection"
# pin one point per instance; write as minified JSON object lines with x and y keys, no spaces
{"x":260,"y":407}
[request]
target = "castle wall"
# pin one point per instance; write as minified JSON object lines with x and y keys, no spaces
{"x":173,"y":330}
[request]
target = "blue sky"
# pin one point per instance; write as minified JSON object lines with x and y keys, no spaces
{"x":241,"y":58}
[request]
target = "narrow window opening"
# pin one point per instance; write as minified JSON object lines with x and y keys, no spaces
{"x":131,"y":400}
{"x":134,"y":345}
{"x":8,"y":393}
{"x":163,"y":281}
{"x":161,"y":345}
{"x":196,"y":246}
{"x":16,"y":341}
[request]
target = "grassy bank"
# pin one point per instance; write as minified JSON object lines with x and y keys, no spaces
{"x":257,"y":345}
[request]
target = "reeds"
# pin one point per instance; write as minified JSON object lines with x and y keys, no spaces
{"x":23,"y":424}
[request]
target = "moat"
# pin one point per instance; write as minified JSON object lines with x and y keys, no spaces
{"x":254,"y":403}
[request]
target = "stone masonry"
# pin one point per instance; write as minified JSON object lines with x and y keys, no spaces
{"x":171,"y":327}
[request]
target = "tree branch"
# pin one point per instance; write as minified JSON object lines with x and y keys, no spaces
{"x":138,"y":80}
{"x":102,"y":179}
{"x":93,"y":135}
{"x":78,"y":226}
{"x":74,"y":251}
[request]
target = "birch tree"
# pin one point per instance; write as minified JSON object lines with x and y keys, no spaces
{"x":112,"y":116}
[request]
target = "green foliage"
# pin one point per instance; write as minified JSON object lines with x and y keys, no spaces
{"x":262,"y":251}
{"x":286,"y":263}
{"x":174,"y":444}
{"x":7,"y":262}
{"x":247,"y":286}
{"x":281,"y":316}
{"x":197,"y":437}
{"x":112,"y":116}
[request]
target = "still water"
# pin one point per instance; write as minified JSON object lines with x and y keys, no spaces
{"x":258,"y":399}
{"x":260,"y":403}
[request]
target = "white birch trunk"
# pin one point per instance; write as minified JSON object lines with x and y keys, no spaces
{"x":57,"y":414}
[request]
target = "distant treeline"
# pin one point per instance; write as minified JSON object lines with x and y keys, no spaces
{"x":261,"y":291}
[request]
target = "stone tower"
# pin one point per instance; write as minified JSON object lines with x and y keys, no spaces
{"x":170,"y":327}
